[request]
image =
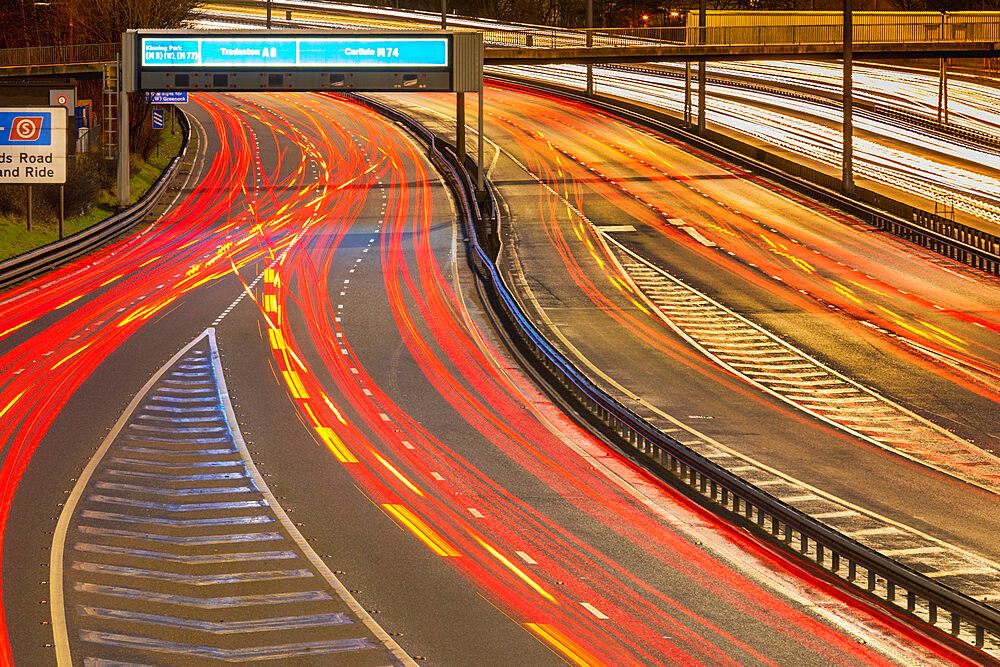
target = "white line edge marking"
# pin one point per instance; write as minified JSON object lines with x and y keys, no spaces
{"x":60,"y":637}
{"x":317,"y":562}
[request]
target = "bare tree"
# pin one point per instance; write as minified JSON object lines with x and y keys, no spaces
{"x":106,"y":20}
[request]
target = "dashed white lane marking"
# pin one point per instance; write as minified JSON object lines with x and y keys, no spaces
{"x":474,"y":512}
{"x":384,"y":417}
{"x":438,"y":476}
{"x":408,"y":444}
{"x":526,"y":558}
{"x":595,"y":611}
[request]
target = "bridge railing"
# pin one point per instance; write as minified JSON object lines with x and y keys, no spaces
{"x":57,"y":55}
{"x":928,"y":32}
{"x":985,"y":29}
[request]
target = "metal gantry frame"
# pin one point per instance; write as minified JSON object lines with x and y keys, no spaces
{"x":466,"y":75}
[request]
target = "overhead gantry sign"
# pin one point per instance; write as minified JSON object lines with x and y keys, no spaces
{"x":293,"y":60}
{"x":274,"y":60}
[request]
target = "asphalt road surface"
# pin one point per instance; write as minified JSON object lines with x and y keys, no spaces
{"x":852,"y":374}
{"x":276,"y":426}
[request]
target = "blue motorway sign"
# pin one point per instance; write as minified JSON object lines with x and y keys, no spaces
{"x":305,"y":51}
{"x":157,"y":119}
{"x":168,"y":97}
{"x":20,"y":128}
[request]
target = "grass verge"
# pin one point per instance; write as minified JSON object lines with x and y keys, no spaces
{"x":15,"y":239}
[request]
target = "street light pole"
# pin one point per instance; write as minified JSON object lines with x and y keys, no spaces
{"x":702,"y":22}
{"x":590,"y":42}
{"x":848,"y":97}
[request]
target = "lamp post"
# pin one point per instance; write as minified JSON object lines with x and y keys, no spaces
{"x":848,"y":98}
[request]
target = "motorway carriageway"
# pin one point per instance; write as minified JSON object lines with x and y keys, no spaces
{"x":310,"y":276}
{"x":875,"y":406}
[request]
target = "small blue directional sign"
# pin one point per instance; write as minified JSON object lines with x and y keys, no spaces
{"x":168,"y":97}
{"x":157,"y":119}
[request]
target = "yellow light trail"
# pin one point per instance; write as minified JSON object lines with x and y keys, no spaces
{"x":423,"y":532}
{"x":336,"y":445}
{"x":518,"y":571}
{"x":68,"y":357}
{"x":12,"y":402}
{"x":295,"y":385}
{"x":398,"y":474}
{"x":566,"y":646}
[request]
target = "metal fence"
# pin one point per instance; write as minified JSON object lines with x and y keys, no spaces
{"x":985,"y":29}
{"x":57,"y":55}
{"x":921,"y":32}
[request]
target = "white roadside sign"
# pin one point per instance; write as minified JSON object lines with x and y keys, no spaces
{"x":33,"y":145}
